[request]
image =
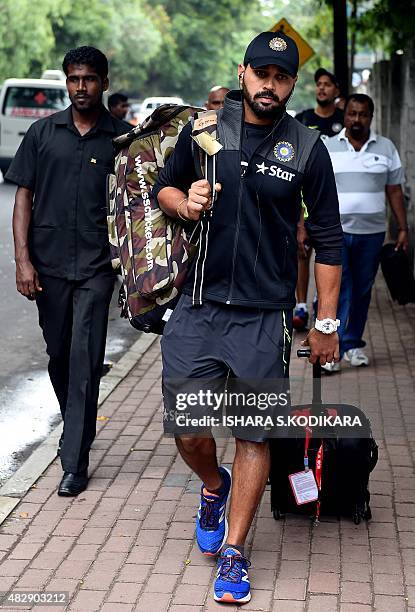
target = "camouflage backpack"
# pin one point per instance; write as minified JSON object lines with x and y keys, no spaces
{"x":150,"y":249}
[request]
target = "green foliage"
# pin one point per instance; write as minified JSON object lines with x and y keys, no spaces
{"x":158,"y":47}
{"x":26,"y":36}
{"x":385,"y":24}
{"x":78,"y":23}
{"x":388,"y":22}
{"x":204,"y":43}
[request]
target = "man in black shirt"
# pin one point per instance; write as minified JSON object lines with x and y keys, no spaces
{"x":328,"y":120}
{"x":234,"y":317}
{"x":325,"y":117}
{"x":61,"y":247}
{"x":118,"y":105}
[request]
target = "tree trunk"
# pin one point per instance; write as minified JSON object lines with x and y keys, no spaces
{"x":353,"y":42}
{"x":340,"y":45}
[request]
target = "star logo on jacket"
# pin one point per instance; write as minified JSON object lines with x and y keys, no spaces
{"x":261,"y":168}
{"x":278,"y":44}
{"x":284,"y":151}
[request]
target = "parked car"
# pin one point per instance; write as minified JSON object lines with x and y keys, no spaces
{"x":150,"y":104}
{"x":23,"y":101}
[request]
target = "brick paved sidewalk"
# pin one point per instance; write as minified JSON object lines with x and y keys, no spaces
{"x":127,"y":542}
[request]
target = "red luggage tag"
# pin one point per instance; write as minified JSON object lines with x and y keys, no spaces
{"x":319,"y":471}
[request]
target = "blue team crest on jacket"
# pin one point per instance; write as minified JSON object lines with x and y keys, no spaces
{"x":284,"y":151}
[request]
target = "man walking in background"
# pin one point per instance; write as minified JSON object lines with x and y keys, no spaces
{"x":61,"y":247}
{"x":325,"y":117}
{"x":368,"y":171}
{"x":328,"y":120}
{"x":118,"y":106}
{"x":216,"y":97}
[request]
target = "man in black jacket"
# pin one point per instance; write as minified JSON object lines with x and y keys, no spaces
{"x":234,"y":318}
{"x":61,"y":247}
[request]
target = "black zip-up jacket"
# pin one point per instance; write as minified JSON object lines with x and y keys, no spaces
{"x":251,"y":256}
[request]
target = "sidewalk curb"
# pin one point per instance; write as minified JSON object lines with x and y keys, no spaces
{"x":18,"y":485}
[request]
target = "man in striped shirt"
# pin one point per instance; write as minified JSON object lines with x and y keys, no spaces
{"x":368,"y":171}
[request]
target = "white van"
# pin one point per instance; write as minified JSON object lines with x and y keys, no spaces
{"x":23,"y":101}
{"x":150,"y":104}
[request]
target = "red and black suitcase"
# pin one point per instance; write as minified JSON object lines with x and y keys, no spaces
{"x":340,"y":459}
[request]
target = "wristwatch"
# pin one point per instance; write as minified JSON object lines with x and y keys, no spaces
{"x":326,"y":326}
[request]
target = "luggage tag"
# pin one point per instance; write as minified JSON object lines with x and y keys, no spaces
{"x":304,"y":487}
{"x":204,"y":132}
{"x":208,"y":143}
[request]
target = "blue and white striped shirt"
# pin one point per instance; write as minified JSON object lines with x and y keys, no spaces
{"x":361,"y":178}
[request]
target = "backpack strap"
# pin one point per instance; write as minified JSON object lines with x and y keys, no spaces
{"x":309,"y":139}
{"x":205,"y":148}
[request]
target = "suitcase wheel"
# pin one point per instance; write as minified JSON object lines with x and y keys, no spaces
{"x":356,"y":518}
{"x":368,"y":513}
{"x":277,"y":514}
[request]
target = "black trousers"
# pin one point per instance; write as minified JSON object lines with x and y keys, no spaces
{"x":74,"y":317}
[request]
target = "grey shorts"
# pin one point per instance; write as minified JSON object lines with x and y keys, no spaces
{"x":215,"y":343}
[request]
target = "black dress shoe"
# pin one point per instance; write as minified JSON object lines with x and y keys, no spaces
{"x":73,"y":484}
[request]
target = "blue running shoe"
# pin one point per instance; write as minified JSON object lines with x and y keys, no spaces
{"x":211,"y":522}
{"x":300,"y":319}
{"x":232,"y":582}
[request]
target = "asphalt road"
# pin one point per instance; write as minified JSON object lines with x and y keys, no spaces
{"x":28,"y":407}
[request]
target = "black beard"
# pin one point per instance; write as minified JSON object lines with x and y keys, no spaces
{"x":261,"y":112}
{"x":357,"y":131}
{"x":91,"y":107}
{"x":324,"y":103}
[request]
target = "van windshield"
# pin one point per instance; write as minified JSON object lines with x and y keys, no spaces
{"x":34,"y":102}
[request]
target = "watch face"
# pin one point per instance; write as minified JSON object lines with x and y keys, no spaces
{"x":327,"y":326}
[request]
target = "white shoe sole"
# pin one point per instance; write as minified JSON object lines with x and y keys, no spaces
{"x":228,"y":598}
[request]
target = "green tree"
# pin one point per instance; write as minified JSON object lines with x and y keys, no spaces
{"x":122,"y":29}
{"x":200,"y":44}
{"x":136,"y":41}
{"x":81,"y":22}
{"x":389,"y":24}
{"x":165,"y":47}
{"x":26,"y":36}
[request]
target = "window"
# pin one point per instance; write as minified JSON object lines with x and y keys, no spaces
{"x":34,"y":102}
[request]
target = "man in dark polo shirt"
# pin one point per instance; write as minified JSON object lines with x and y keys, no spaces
{"x":61,"y":247}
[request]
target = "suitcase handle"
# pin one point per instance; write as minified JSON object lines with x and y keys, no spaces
{"x":316,"y":400}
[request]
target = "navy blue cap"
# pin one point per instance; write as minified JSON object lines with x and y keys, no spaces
{"x":274,"y":48}
{"x":323,"y":72}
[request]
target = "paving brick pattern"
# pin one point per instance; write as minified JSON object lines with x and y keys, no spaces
{"x":126,"y":544}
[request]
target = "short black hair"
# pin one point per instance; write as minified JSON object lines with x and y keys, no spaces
{"x":116,"y":98}
{"x":323,"y":72}
{"x":89,"y":56}
{"x":361,"y":99}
